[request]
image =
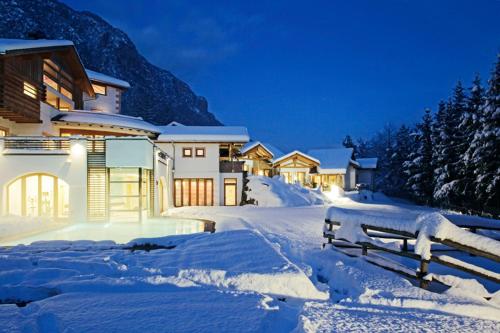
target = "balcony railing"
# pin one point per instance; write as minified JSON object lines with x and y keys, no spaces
{"x":231,"y":166}
{"x":36,"y":143}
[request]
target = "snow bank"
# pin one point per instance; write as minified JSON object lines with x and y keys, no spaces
{"x":274,"y":192}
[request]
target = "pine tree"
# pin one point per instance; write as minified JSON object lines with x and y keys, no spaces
{"x":363,"y":148}
{"x":469,"y":126}
{"x":347,"y":142}
{"x":418,"y":166}
{"x":448,"y":153}
{"x":486,"y":147}
{"x":396,"y":177}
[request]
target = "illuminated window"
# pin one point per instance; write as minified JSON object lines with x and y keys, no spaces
{"x":128,"y":196}
{"x":4,"y":132}
{"x":193,"y":192}
{"x":99,"y":89}
{"x":51,"y":83}
{"x":187,"y":152}
{"x":38,"y":195}
{"x":29,"y":90}
{"x":200,"y":152}
{"x":66,"y":93}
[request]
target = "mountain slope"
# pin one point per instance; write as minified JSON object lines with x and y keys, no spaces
{"x":155,"y":94}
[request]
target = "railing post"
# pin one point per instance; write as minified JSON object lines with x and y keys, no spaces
{"x":364,"y":250}
{"x":405,"y":245}
{"x":424,"y":270}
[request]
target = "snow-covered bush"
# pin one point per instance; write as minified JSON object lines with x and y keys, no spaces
{"x":274,"y":192}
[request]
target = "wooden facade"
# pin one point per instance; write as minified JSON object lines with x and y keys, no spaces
{"x":261,"y":160}
{"x":22,"y":85}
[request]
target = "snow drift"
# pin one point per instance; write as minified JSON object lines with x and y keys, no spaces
{"x":274,"y":192}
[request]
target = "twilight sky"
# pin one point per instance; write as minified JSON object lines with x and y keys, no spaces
{"x":305,"y":74}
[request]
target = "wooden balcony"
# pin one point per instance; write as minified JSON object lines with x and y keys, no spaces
{"x":231,"y":166}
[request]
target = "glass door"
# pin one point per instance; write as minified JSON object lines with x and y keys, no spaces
{"x":230,"y":192}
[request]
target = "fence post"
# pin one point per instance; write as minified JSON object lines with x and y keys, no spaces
{"x":405,"y":245}
{"x":424,"y":269}
{"x":364,"y":250}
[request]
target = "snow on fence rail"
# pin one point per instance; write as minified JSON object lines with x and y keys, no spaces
{"x":365,"y":230}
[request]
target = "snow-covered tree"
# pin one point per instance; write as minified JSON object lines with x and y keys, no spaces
{"x":449,"y":150}
{"x":418,"y":166}
{"x":486,"y":147}
{"x":469,"y":126}
{"x":396,"y":177}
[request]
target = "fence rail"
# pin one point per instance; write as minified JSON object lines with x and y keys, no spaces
{"x":374,"y":232}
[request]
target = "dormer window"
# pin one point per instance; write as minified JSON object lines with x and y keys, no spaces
{"x":99,"y":89}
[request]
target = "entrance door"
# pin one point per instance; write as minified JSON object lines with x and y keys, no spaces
{"x":230,"y":192}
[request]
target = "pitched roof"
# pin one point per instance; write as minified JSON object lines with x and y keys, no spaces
{"x":21,"y":46}
{"x":11,"y":45}
{"x":250,"y":145}
{"x":203,"y":134}
{"x":298,"y":152}
{"x":333,"y":160}
{"x":368,"y":162}
{"x":107,"y":119}
{"x":106,"y":79}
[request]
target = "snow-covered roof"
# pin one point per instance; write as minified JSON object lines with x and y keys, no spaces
{"x":367,"y":163}
{"x":107,"y":119}
{"x":203,"y":134}
{"x":333,"y":160}
{"x":8,"y":45}
{"x":298,"y":152}
{"x":250,"y":145}
{"x":175,"y":123}
{"x":106,"y":79}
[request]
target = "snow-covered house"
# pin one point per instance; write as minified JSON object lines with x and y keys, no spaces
{"x":65,"y":152}
{"x":365,"y":173}
{"x":337,"y":167}
{"x":258,"y":158}
{"x":206,"y":169}
{"x":317,"y":167}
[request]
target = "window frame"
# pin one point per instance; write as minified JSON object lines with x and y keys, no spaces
{"x":185,"y":149}
{"x":196,"y":149}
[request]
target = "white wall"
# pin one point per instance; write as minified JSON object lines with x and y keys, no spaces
{"x":130,"y":152}
{"x":350,"y":178}
{"x":70,"y":167}
{"x":38,"y":129}
{"x":104,"y":103}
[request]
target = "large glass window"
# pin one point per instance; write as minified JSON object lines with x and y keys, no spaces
{"x":60,"y":81}
{"x":128,"y":193}
{"x":99,"y":89}
{"x":193,"y":192}
{"x":38,"y":195}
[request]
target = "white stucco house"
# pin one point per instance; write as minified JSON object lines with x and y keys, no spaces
{"x":67,"y":153}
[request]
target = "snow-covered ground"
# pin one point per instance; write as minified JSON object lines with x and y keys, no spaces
{"x":262,"y":271}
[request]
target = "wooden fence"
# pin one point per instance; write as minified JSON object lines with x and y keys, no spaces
{"x":374,"y":232}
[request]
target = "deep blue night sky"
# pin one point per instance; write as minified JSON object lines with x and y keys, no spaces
{"x":305,"y":76}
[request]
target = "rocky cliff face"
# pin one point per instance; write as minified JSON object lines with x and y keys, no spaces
{"x":155,"y":94}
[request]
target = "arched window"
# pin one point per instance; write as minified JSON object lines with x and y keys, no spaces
{"x":38,"y":195}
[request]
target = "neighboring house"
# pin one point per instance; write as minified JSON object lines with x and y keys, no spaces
{"x":366,"y":171}
{"x":296,"y":167}
{"x":317,"y":167}
{"x":258,"y":158}
{"x":206,"y":171}
{"x":337,"y":167}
